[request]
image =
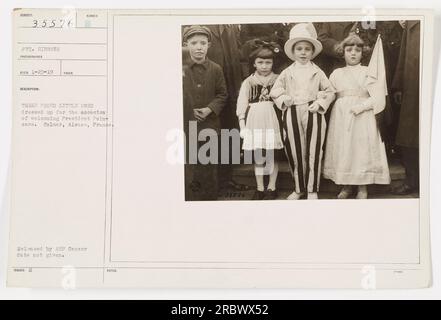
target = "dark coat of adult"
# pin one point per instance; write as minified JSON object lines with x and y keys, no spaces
{"x":262,"y":31}
{"x":407,"y":80}
{"x":224,"y":50}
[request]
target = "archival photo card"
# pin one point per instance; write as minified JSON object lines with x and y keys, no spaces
{"x":221,"y":148}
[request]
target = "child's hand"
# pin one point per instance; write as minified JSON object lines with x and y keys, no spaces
{"x":242,"y":124}
{"x":202,"y":113}
{"x":242,"y":127}
{"x":357,"y":109}
{"x":314,"y":107}
{"x":288,"y":102}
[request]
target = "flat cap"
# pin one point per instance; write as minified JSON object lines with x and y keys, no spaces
{"x":196,"y":29}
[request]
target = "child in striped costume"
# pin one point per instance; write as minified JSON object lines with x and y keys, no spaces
{"x":303,"y":93}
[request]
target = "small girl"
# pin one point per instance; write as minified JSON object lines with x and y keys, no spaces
{"x":259,"y":119}
{"x":355,"y":153}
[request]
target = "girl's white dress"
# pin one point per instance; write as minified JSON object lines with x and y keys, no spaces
{"x":256,"y":106}
{"x":355,"y":153}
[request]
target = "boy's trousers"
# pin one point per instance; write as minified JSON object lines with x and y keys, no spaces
{"x":304,"y":135}
{"x":201,"y":182}
{"x":201,"y":179}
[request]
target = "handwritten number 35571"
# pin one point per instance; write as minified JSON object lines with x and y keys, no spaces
{"x":54,"y":23}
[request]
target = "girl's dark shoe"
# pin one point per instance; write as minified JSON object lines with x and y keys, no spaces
{"x":258,"y":195}
{"x":270,"y":195}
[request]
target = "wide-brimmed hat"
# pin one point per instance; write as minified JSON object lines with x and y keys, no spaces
{"x":196,"y":29}
{"x":302,"y":32}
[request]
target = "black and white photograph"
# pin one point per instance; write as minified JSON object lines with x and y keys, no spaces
{"x":184,"y":148}
{"x":302,"y":110}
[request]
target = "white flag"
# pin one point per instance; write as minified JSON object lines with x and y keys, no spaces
{"x":376,"y":82}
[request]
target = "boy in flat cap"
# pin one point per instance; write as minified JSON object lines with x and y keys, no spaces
{"x":205,"y":95}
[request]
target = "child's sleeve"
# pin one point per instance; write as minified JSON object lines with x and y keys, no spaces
{"x":333,"y":80}
{"x":242,"y":100}
{"x":377,"y":99}
{"x":278,"y":92}
{"x":326,"y":94}
{"x":219,"y":101}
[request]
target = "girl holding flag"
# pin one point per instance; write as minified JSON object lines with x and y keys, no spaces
{"x":355,"y":153}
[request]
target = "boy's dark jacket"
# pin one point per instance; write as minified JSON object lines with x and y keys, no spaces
{"x":203,"y":86}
